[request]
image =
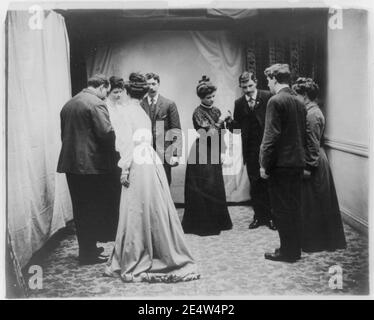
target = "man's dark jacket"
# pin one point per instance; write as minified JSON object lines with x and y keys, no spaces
{"x":252,"y":124}
{"x":283,"y":144}
{"x":87,"y":136}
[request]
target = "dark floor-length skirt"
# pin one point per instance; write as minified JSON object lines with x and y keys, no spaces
{"x":322,"y":227}
{"x":206,"y":210}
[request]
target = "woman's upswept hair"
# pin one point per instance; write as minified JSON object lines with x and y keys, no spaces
{"x":137,"y":86}
{"x":205,"y":87}
{"x":306,"y":86}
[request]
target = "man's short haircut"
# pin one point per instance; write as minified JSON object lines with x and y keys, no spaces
{"x":246,"y":76}
{"x":97,"y":80}
{"x":152,"y":75}
{"x":281,"y":73}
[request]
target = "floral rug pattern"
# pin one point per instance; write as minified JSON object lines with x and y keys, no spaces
{"x":231,"y":264}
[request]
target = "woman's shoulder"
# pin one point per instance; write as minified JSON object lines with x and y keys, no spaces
{"x":315,"y":113}
{"x":130,"y":107}
{"x":314,"y":109}
{"x":197,"y":110}
{"x":130,"y":102}
{"x":125,"y":112}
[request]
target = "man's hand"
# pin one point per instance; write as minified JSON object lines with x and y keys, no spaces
{"x":225,"y":118}
{"x":263,"y":174}
{"x":125,"y":180}
{"x":174,"y":161}
{"x":307,"y":174}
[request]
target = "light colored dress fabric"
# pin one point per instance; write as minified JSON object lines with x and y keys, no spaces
{"x":114,"y":110}
{"x":150,"y":243}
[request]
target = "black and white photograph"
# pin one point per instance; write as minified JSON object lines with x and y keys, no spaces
{"x":187,"y":150}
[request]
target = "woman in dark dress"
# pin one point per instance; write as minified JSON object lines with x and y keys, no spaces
{"x":322,"y":227}
{"x":206,"y":211}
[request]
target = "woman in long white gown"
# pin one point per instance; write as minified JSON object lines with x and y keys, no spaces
{"x":150,"y":243}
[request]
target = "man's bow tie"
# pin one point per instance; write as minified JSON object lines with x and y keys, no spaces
{"x":251,"y":102}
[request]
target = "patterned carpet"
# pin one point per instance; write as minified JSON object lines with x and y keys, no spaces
{"x":231,"y":264}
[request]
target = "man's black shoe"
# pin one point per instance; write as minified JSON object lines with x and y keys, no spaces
{"x":100,"y":252}
{"x":277,"y":256}
{"x":271,"y":225}
{"x":92,"y":260}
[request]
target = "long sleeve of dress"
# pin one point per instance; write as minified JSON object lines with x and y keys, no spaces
{"x":314,"y":131}
{"x":199,"y":122}
{"x":202,"y":122}
{"x":125,"y":143}
{"x":211,"y":124}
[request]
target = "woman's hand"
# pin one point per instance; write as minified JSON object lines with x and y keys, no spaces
{"x":307,"y":174}
{"x":174,"y":161}
{"x":225,"y":118}
{"x":223,"y":157}
{"x":228,"y":118}
{"x":212,"y":131}
{"x":263,"y":174}
{"x":125,"y":180}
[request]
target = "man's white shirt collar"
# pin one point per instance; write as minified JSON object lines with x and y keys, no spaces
{"x":282,"y":86}
{"x":155,"y":98}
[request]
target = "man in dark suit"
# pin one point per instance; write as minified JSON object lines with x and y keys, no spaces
{"x":282,"y":160}
{"x":87,"y":159}
{"x":166,"y":127}
{"x":249,"y":117}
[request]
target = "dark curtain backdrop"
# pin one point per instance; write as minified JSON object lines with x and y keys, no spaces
{"x":303,"y":52}
{"x":299,"y":40}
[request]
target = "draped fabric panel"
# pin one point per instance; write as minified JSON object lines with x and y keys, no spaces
{"x":181,"y":58}
{"x":38,"y":86}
